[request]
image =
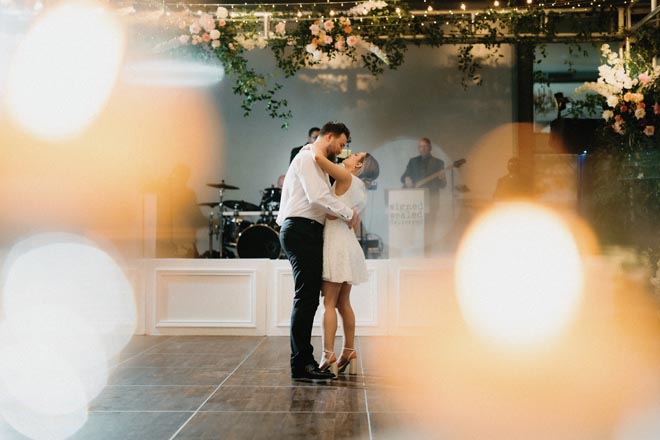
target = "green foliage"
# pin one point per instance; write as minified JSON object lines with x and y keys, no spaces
{"x":377,"y":40}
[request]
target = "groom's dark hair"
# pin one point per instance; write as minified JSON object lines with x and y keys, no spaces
{"x":336,"y":128}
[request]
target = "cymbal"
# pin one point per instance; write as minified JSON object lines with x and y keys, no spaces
{"x":241,"y":205}
{"x":209,"y":204}
{"x":222,"y":185}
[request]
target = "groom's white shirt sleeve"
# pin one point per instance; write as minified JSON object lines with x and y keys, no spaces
{"x":317,"y":189}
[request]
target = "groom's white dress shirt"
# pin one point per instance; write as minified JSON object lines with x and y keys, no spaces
{"x":306,"y":192}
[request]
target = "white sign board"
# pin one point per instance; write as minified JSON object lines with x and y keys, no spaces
{"x":405,"y":211}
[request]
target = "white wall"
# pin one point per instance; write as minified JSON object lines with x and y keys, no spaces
{"x":386,"y":115}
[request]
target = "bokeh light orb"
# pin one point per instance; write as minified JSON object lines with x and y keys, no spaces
{"x":519,"y":275}
{"x":64,"y":70}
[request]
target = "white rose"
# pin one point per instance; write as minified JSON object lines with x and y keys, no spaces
{"x":215,"y":34}
{"x":207,"y":22}
{"x":183,"y":39}
{"x":640,"y":113}
{"x":215,"y":44}
{"x":195,"y":28}
{"x":311,"y":48}
{"x":612,"y":101}
{"x":280,"y":27}
{"x":352,"y":40}
{"x":222,"y":12}
{"x":608,"y":114}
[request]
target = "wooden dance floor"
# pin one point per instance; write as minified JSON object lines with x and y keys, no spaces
{"x":238,"y":387}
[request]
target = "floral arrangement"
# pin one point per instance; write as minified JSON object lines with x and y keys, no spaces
{"x":630,"y":87}
{"x":373,"y":34}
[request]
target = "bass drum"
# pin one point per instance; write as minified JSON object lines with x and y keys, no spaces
{"x":259,"y":241}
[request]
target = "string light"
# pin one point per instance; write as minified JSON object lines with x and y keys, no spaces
{"x":496,"y":3}
{"x":463,"y":6}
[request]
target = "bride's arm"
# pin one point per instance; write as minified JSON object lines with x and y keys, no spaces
{"x":339,"y":173}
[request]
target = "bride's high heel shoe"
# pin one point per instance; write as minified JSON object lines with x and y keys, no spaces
{"x":350,"y":362}
{"x":329,"y":362}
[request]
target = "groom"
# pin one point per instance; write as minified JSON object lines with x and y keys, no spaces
{"x":306,"y":199}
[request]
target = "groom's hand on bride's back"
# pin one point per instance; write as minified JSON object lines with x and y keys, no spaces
{"x":354,"y":221}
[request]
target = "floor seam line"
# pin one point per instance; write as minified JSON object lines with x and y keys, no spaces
{"x":217,"y":388}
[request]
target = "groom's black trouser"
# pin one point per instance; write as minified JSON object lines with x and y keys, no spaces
{"x":302,"y":240}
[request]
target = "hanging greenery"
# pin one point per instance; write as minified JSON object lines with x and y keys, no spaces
{"x":373,"y":35}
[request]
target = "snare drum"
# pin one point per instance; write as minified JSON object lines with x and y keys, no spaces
{"x":259,"y":241}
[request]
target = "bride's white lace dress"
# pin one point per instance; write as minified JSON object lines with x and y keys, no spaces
{"x":343,"y":258}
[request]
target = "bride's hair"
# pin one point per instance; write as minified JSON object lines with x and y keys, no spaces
{"x":369,"y":171}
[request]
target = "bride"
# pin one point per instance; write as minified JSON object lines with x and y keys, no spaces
{"x":344,"y":264}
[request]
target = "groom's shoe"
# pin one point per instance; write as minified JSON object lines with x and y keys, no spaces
{"x":312,"y":373}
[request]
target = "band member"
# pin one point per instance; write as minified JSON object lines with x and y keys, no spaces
{"x":312,"y":134}
{"x":423,"y":166}
{"x":423,"y":171}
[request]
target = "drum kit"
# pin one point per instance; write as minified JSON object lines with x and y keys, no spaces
{"x":239,"y":237}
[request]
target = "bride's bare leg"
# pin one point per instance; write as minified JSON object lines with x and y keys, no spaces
{"x":347,"y":318}
{"x":330,"y":293}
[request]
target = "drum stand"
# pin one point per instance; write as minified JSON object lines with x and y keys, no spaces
{"x":217,"y":228}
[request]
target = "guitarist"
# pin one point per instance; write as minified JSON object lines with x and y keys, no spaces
{"x":418,"y":169}
{"x":422,"y":166}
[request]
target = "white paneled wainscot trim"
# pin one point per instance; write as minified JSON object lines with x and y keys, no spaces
{"x":254,"y":296}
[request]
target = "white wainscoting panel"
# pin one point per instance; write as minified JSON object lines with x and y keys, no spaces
{"x":207,"y":296}
{"x":369,"y":301}
{"x":254,"y":297}
{"x":419,"y":290}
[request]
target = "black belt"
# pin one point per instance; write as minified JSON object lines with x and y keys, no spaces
{"x":303,"y":220}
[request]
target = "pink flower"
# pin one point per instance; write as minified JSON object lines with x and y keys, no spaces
{"x":328,"y":39}
{"x":656,"y":109}
{"x":222,"y":23}
{"x":352,"y":40}
{"x":215,"y":34}
{"x":328,"y":25}
{"x":624,"y":108}
{"x":617,"y":118}
{"x":644,"y":78}
{"x":339,"y":45}
{"x":649,"y":130}
{"x":347,"y":29}
{"x":280,"y":27}
{"x":314,"y":29}
{"x":206,"y":37}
